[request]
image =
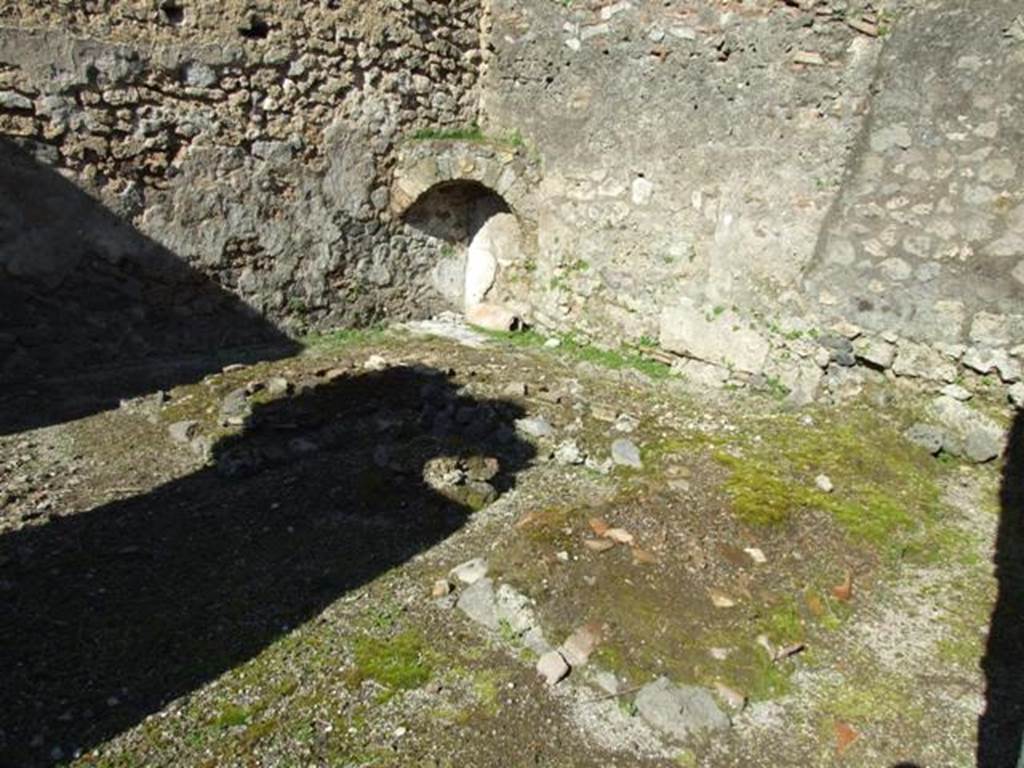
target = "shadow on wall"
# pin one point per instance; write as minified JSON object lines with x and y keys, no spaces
{"x":81,"y":289}
{"x":111,"y":613}
{"x":1000,"y":727}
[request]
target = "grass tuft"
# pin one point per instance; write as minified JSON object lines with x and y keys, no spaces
{"x":468,"y":133}
{"x":579,"y":350}
{"x":343,"y":337}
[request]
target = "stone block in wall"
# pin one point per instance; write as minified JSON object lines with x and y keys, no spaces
{"x":922,"y":362}
{"x":994,"y":330}
{"x":701,"y":374}
{"x":874,"y":351}
{"x":985,"y":361}
{"x":802,"y":380}
{"x":714,"y":335}
{"x":415,"y":181}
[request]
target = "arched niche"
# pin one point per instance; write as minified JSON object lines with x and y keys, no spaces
{"x":475,"y":235}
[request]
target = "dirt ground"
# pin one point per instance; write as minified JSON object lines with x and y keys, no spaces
{"x":242,"y":570}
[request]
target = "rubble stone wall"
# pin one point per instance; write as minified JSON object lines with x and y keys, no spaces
{"x":249,"y":141}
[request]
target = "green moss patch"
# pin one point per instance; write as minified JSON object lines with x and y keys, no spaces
{"x":751,"y":670}
{"x":886,"y":493}
{"x":399,"y":662}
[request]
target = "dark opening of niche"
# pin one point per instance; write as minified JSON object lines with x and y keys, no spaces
{"x":455,"y":211}
{"x":255,"y":28}
{"x":173,"y":13}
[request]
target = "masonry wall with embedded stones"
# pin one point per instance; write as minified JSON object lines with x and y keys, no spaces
{"x":807,"y":193}
{"x":804,"y":194}
{"x":246,"y":142}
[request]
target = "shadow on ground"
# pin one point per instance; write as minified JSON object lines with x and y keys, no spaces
{"x":1000,"y":727}
{"x":81,"y":289}
{"x":111,"y":613}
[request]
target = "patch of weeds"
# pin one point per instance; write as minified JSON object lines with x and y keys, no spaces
{"x":231,"y":716}
{"x":399,"y":662}
{"x":515,"y":139}
{"x":507,"y":633}
{"x":254,"y":734}
{"x":711,"y":314}
{"x":581,"y":351}
{"x":613,"y":657}
{"x":627,"y":706}
{"x":886,"y":20}
{"x":775,"y":388}
{"x":344,"y":337}
{"x":382,"y":616}
{"x":557,"y":283}
{"x":195,"y":738}
{"x":304,"y":733}
{"x":783,"y":624}
{"x":465,"y":133}
{"x":362,"y":757}
{"x":486,"y":687}
{"x":615,"y":360}
{"x":473,"y":133}
{"x":528,"y":655}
